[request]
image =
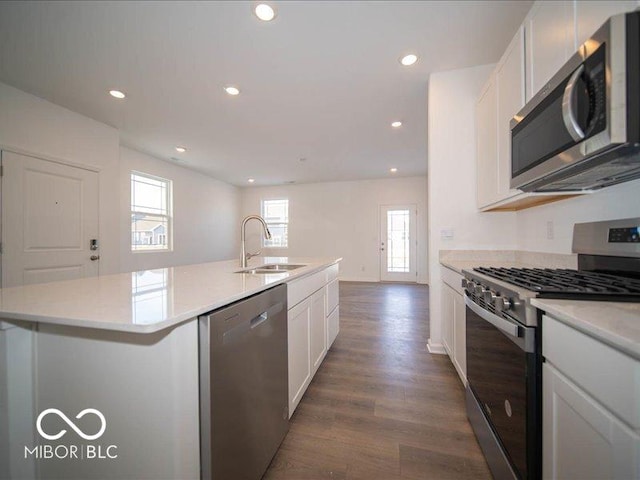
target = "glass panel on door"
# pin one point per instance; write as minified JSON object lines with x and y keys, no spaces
{"x":398,"y":243}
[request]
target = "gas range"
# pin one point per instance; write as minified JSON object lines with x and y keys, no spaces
{"x":608,"y":270}
{"x":568,"y":284}
{"x":503,"y":337}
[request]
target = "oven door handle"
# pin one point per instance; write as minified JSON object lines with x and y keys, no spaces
{"x":506,"y":326}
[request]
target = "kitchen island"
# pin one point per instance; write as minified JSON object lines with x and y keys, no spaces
{"x":124,"y":346}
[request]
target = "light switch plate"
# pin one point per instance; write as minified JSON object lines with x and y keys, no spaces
{"x":446,"y":233}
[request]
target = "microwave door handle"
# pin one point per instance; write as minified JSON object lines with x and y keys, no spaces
{"x":568,"y":107}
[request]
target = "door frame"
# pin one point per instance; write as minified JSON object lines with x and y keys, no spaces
{"x":412,"y":275}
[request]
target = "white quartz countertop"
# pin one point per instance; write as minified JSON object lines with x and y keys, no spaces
{"x":614,"y":323}
{"x":146,"y":301}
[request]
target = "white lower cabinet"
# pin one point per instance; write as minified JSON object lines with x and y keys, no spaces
{"x":313,"y":324}
{"x":581,"y":439}
{"x":318,"y":329}
{"x":590,"y":407}
{"x":448,"y":305}
{"x":332,"y":311}
{"x":454,"y":328}
{"x":299,"y":343}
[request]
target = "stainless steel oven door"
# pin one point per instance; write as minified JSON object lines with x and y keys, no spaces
{"x":499,"y":353}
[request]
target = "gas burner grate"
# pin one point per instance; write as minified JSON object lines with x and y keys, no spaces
{"x":565,"y":283}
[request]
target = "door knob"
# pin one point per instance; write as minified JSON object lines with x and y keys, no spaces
{"x":93,"y":258}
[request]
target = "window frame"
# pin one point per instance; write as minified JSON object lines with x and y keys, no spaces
{"x":269,"y":224}
{"x":168,"y":216}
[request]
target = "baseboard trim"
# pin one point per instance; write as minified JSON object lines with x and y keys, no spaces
{"x":436,"y":348}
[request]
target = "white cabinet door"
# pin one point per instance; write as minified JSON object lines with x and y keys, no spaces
{"x":299,"y":318}
{"x":448,"y":308}
{"x":454,"y":329}
{"x":318,"y":329}
{"x":511,"y":98}
{"x":486,"y":145}
{"x":333,"y":326}
{"x":459,"y":336}
{"x":591,"y":15}
{"x":581,"y":439}
{"x":332,"y":311}
{"x":550,"y":41}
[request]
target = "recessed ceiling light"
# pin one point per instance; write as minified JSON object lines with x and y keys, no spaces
{"x":251,"y":180}
{"x":232,"y":90}
{"x":396,"y":124}
{"x":408,"y":60}
{"x":264,"y":12}
{"x":116,"y":94}
{"x":181,"y":149}
{"x":393,"y":170}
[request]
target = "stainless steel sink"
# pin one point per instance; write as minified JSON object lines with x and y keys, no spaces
{"x":271,"y":268}
{"x":279,"y":266}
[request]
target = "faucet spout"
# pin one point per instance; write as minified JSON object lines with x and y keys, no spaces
{"x":244,"y":256}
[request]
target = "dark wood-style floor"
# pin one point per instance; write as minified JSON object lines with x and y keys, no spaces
{"x":381,"y":406}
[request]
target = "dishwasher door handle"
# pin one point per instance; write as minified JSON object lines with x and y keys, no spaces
{"x":260,"y":319}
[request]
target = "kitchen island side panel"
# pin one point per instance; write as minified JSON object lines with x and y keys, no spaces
{"x":144,"y":386}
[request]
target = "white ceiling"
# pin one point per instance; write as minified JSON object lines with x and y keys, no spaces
{"x":321,"y":82}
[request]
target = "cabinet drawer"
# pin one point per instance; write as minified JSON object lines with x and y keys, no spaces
{"x":453,"y":279}
{"x":610,"y":377}
{"x":333,"y":297}
{"x":299,"y":289}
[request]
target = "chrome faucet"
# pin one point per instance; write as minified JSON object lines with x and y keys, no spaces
{"x":244,"y":256}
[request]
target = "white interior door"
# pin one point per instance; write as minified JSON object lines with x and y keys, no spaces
{"x":49,"y":217}
{"x":398,"y":243}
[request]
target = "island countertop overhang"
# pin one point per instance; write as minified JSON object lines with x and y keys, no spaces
{"x":147,"y":301}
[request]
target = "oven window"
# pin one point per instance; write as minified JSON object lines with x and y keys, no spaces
{"x":497,"y":374}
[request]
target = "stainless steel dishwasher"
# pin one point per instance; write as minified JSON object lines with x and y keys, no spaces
{"x":243,"y":386}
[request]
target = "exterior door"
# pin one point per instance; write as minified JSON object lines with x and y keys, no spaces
{"x":49,"y":218}
{"x":398,"y":243}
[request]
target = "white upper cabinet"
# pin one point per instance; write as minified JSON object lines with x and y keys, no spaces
{"x":487,"y":144}
{"x":511,"y":99}
{"x":501,"y":99}
{"x":550,"y":41}
{"x":591,"y":15}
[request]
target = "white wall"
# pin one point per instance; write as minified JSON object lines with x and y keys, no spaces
{"x":206,"y":215}
{"x":619,"y":201}
{"x":206,"y":210}
{"x":341,"y":219}
{"x":452,"y":180}
{"x":33,"y":125}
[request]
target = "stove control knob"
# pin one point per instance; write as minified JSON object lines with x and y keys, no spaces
{"x":490,"y":296}
{"x":480,"y":290}
{"x":464,"y":283}
{"x":471,"y":285}
{"x":503,"y":303}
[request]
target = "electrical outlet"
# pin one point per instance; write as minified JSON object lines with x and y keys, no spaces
{"x":550,"y":232}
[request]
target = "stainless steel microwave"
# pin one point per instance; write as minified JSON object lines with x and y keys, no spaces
{"x":582,"y":130}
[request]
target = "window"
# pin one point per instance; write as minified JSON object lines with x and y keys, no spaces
{"x":150,"y":213}
{"x":276,"y":214}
